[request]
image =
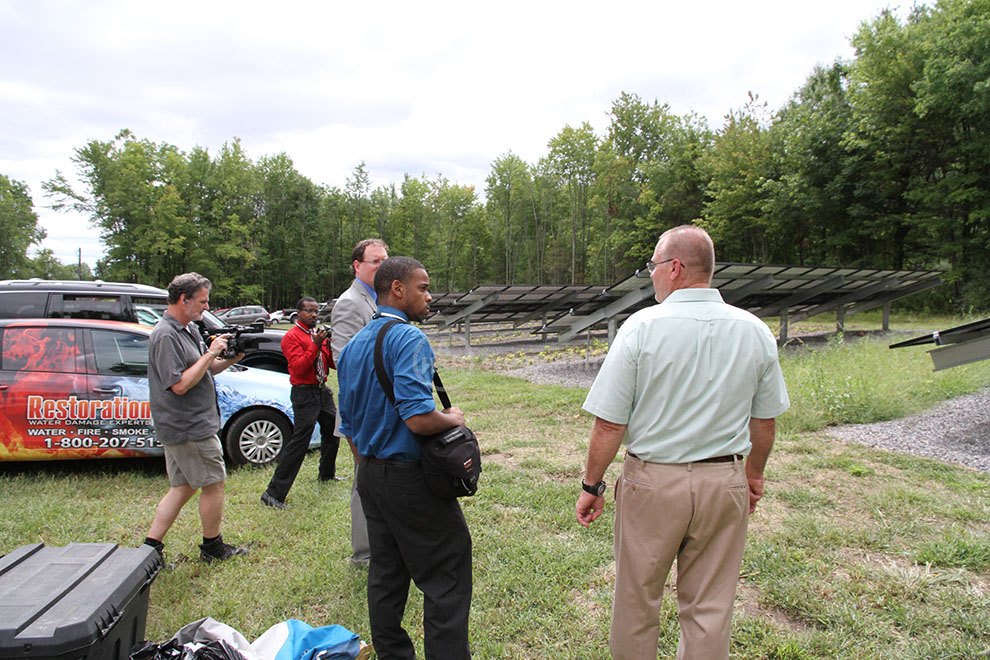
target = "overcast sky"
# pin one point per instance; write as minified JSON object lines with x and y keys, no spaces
{"x":423,"y":88}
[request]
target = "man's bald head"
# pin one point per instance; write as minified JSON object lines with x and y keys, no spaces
{"x":694,"y":247}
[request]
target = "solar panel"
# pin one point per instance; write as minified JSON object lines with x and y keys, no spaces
{"x":956,"y":346}
{"x":792,"y":292}
{"x":955,"y":335}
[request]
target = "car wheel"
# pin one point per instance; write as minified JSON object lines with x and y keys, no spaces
{"x":257,"y":437}
{"x":292,"y":317}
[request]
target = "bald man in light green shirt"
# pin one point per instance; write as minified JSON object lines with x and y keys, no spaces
{"x":692,"y":386}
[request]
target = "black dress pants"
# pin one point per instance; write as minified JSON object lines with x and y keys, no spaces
{"x":415,"y":535}
{"x":310,"y":405}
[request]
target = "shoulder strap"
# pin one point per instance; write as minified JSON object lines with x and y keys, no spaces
{"x":383,"y":378}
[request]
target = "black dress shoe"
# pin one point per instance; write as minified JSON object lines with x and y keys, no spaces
{"x":268,"y":500}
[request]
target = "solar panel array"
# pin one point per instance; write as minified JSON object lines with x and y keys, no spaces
{"x":791,"y":292}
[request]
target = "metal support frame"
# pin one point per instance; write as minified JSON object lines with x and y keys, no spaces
{"x":917,"y":287}
{"x":851,"y":297}
{"x":953,"y":355}
{"x":800,"y":295}
{"x":625,"y":302}
{"x":542,"y":311}
{"x":468,"y":311}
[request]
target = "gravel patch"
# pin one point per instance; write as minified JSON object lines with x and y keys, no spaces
{"x":956,"y":431}
{"x":569,"y":374}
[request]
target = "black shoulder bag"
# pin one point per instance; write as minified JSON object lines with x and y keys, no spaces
{"x":452,"y":459}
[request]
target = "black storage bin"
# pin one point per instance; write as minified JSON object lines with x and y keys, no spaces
{"x":85,"y":601}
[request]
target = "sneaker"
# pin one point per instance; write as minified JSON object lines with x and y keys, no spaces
{"x":360,"y":562}
{"x":219,"y":551}
{"x":268,"y":500}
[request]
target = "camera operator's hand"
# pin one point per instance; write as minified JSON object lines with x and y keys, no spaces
{"x":320,"y":335}
{"x":219,"y":344}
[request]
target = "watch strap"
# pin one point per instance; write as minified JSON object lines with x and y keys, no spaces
{"x":595,"y":489}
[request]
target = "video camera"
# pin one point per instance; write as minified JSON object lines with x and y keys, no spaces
{"x":237,"y":343}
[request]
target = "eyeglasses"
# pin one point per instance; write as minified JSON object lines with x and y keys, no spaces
{"x":375,"y":262}
{"x":652,"y":265}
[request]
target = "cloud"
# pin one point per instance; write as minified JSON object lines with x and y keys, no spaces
{"x":428,"y":88}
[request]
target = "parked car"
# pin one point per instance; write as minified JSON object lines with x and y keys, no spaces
{"x":78,"y":388}
{"x":324,"y":311}
{"x":118,"y":301}
{"x":147,"y":315}
{"x":245,"y":315}
{"x":287,"y":315}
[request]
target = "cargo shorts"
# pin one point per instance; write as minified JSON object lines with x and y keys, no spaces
{"x":196,"y":463}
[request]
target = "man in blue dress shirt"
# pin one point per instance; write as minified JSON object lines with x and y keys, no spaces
{"x":414,"y":535}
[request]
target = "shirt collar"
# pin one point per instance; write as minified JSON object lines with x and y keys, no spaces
{"x":174,"y":321}
{"x":694,"y":295}
{"x":385,"y":309}
{"x":370,"y":289}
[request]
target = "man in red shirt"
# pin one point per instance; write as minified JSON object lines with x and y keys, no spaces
{"x":308,"y":353}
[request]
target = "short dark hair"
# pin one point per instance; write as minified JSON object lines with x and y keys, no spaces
{"x":394,"y":268}
{"x":187,"y":283}
{"x":358,"y":253}
{"x":302,"y":301}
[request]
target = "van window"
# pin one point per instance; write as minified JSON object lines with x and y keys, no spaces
{"x":40,"y":349}
{"x":80,"y":306}
{"x":23,"y":304}
{"x":120,"y":353}
{"x":159,"y":304}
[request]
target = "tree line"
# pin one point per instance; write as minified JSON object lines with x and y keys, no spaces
{"x":879,"y":162}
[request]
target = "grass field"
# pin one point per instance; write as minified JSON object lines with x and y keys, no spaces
{"x":854,"y":553}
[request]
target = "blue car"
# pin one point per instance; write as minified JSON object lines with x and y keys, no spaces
{"x":78,"y":388}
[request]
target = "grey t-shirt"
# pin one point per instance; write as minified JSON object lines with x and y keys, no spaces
{"x":172,"y":349}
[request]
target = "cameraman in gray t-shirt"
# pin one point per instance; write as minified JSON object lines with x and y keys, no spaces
{"x":184,"y":410}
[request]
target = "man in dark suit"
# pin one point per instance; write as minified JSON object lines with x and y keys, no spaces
{"x":352,"y":311}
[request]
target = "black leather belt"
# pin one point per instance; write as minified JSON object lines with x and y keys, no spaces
{"x":721,"y":459}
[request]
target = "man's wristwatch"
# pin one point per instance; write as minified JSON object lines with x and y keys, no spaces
{"x":597,"y":489}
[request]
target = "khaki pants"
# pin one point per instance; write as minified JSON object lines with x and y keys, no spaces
{"x":696,"y":513}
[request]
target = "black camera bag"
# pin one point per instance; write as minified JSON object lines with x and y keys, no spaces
{"x":451,"y":459}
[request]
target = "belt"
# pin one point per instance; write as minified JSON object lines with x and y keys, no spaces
{"x":311,"y":386}
{"x":714,"y":459}
{"x":721,"y":459}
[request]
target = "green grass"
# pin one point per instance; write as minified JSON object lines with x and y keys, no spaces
{"x":865,"y":381}
{"x":854,"y":552}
